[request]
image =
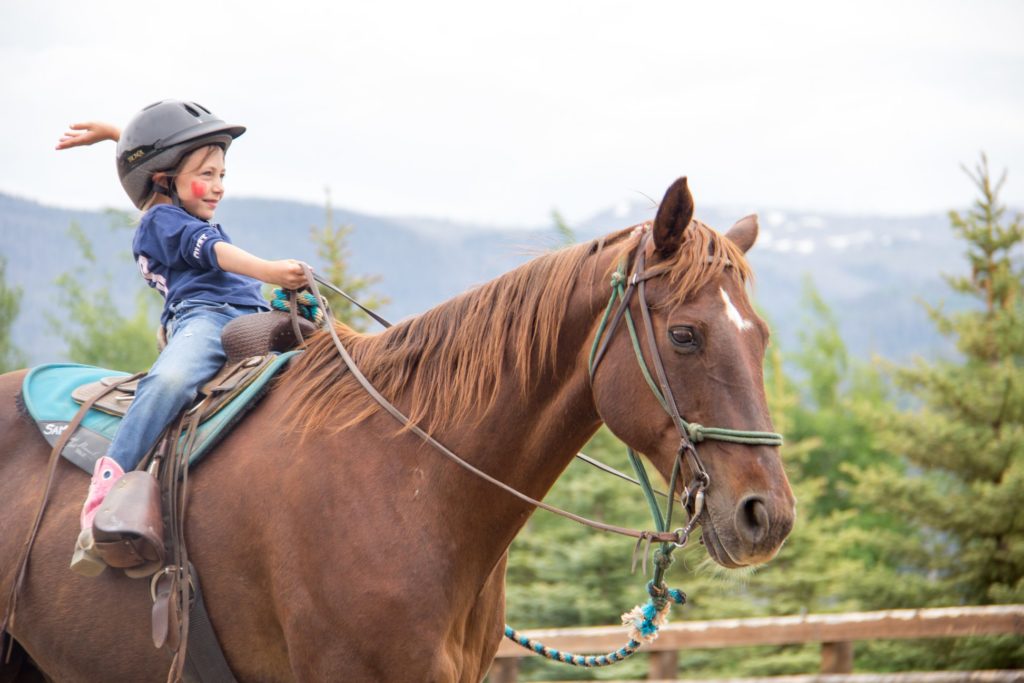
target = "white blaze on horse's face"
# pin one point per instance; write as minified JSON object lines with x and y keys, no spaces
{"x":733,"y":313}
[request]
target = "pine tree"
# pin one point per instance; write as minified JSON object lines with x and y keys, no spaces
{"x":98,"y":328}
{"x":962,"y":436}
{"x":10,"y":303}
{"x":331,"y":247}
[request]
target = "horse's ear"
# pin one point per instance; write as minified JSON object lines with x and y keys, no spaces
{"x":673,"y":217}
{"x":744,"y":233}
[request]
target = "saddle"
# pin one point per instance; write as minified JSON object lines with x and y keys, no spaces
{"x":128,"y":529}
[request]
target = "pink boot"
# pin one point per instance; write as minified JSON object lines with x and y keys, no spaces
{"x":85,"y":561}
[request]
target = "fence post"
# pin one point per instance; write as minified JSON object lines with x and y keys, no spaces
{"x":837,"y":658}
{"x":504,"y":670}
{"x":663,"y":666}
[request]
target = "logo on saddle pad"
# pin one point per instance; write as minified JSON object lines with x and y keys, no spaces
{"x":83,"y":448}
{"x":54,"y":428}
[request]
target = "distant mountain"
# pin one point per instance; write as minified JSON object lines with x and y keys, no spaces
{"x":871,"y":270}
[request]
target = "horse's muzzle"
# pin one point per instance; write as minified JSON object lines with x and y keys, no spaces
{"x":751,"y":535}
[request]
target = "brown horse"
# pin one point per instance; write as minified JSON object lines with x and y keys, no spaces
{"x":335,"y":546}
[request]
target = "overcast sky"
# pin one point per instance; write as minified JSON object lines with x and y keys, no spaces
{"x":499,"y":112}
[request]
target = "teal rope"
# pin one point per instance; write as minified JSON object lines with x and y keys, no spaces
{"x":586,"y":661}
{"x":307,"y":304}
{"x":645,"y":621}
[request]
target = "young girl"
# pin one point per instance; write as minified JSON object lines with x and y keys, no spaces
{"x":170,"y":159}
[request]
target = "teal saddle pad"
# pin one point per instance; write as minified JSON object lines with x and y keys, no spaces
{"x":47,"y":389}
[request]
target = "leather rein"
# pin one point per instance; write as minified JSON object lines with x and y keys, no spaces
{"x":693,"y":499}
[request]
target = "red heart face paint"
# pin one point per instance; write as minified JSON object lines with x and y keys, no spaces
{"x":198,"y":188}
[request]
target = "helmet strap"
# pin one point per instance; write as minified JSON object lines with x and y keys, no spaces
{"x":169,"y":191}
{"x":173,"y":192}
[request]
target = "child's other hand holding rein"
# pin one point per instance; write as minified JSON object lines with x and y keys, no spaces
{"x":88,"y":133}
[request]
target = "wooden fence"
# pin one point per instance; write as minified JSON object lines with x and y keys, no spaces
{"x":835,"y":632}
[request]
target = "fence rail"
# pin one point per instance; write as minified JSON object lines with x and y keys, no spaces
{"x":836,"y":633}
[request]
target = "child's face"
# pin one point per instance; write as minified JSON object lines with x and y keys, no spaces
{"x":200,"y":184}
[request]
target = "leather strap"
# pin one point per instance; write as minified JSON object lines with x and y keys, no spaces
{"x":364,"y":309}
{"x":198,"y":657}
{"x":293,"y":313}
{"x":176,"y":477}
{"x":165,"y":613}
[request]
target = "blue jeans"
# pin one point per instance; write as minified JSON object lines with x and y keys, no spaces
{"x":192,"y":357}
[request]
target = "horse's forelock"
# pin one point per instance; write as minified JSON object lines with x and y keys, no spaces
{"x":702,"y":257}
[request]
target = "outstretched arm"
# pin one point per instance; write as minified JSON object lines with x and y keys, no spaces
{"x":88,"y":133}
{"x":287,"y":273}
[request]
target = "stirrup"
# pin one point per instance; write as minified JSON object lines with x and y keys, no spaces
{"x":86,"y":561}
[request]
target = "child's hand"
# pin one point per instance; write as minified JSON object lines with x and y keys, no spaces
{"x":88,"y":133}
{"x":287,"y":272}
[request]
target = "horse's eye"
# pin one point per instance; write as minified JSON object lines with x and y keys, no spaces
{"x":684,"y":337}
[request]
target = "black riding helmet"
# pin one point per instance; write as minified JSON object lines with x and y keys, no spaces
{"x":160,"y":136}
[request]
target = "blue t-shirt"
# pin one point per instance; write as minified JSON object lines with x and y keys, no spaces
{"x":174,"y":251}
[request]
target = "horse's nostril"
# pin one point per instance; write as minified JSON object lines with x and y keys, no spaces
{"x":752,"y":519}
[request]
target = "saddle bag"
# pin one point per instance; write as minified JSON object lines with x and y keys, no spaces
{"x":128,"y":529}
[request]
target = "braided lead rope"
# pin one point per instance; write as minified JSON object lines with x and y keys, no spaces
{"x":586,"y":661}
{"x":644,"y":622}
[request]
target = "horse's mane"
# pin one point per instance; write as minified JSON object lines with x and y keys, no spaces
{"x":446,"y":363}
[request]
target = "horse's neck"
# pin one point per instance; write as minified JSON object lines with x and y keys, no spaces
{"x":522,"y":438}
{"x":526,"y":439}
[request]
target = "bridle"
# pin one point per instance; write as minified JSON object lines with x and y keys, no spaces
{"x":689,"y":432}
{"x":623,"y":288}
